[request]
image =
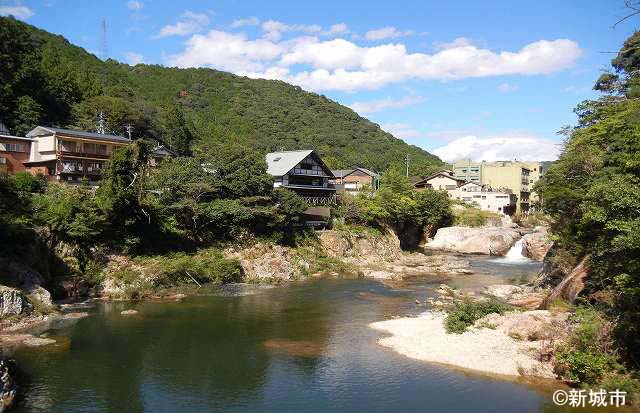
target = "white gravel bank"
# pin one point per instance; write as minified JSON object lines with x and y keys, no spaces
{"x":485,"y":350}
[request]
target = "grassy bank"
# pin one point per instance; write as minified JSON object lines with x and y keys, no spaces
{"x":467,"y":216}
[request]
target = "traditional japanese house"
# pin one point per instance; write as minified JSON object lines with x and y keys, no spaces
{"x":305,"y":173}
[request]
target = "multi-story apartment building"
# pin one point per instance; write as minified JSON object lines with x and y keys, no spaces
{"x":536,"y":171}
{"x":510,"y":175}
{"x":468,"y":170}
{"x":70,"y":155}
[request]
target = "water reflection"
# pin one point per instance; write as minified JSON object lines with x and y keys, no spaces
{"x":305,"y":347}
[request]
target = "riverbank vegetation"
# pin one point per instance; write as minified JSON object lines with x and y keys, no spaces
{"x":466,"y":215}
{"x":168,"y":225}
{"x":592,"y":194}
{"x":465,"y":313}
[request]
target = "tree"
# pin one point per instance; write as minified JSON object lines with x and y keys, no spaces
{"x":175,"y":131}
{"x":238,"y":171}
{"x":72,"y":215}
{"x":289,"y":211}
{"x":28,"y":114}
{"x":592,"y":194}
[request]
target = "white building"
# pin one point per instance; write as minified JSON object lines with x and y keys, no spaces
{"x":440,"y":181}
{"x":501,"y":201}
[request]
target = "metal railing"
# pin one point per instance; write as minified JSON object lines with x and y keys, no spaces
{"x":320,"y":200}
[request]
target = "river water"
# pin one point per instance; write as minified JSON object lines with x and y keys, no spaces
{"x":304,"y":347}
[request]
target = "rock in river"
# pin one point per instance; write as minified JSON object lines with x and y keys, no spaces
{"x":12,"y":302}
{"x":536,"y":245}
{"x":489,"y":240}
{"x":8,"y":388}
{"x":129,"y":312}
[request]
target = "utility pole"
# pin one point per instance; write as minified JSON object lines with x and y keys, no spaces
{"x":128,"y":128}
{"x":407,"y":162}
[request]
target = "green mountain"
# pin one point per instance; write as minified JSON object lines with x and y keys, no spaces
{"x":47,"y":80}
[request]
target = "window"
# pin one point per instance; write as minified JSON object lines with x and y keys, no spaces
{"x":101,"y":149}
{"x":93,"y":166}
{"x":476,"y":196}
{"x":3,"y":161}
{"x":67,"y":146}
{"x":90,"y":147}
{"x":15,"y":147}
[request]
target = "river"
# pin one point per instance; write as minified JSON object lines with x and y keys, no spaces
{"x":302,"y":347}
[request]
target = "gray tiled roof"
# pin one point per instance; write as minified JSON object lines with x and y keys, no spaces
{"x":279,"y":163}
{"x":47,"y":130}
{"x":341,"y":173}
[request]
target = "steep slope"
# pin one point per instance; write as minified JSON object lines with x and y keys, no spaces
{"x":46,"y":79}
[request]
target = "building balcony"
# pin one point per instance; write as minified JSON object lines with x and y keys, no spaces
{"x":320,"y":200}
{"x":79,"y":171}
{"x":83,"y":155}
{"x":329,"y":187}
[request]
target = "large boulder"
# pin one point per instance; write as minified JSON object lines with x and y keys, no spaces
{"x":30,"y":282}
{"x":269,"y":262}
{"x":489,"y":240}
{"x":8,"y":387}
{"x":528,"y":325}
{"x":13,"y":302}
{"x":536,"y":245}
{"x":363,"y":248}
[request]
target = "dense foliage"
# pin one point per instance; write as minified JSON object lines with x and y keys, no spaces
{"x":464,"y":314}
{"x":592,"y":194}
{"x":397,"y":206}
{"x":46,"y":80}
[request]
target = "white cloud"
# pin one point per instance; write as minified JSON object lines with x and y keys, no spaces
{"x":373,"y":106}
{"x":458,"y":42}
{"x":400,"y":130}
{"x":273,"y":29}
{"x":135,"y":5}
{"x":507,"y":87}
{"x":226,"y":51}
{"x":343,"y":65}
{"x":335,"y":29}
{"x":388,"y":32}
{"x":508,"y":147}
{"x":190,"y":23}
{"x":21,"y":12}
{"x":251,"y":21}
{"x":134,"y":58}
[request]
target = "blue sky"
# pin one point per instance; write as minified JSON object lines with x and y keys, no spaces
{"x":488,"y":80}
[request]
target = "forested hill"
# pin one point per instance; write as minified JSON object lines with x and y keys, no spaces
{"x":47,"y":80}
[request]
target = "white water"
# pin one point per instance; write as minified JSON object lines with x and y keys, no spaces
{"x":514,"y":255}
